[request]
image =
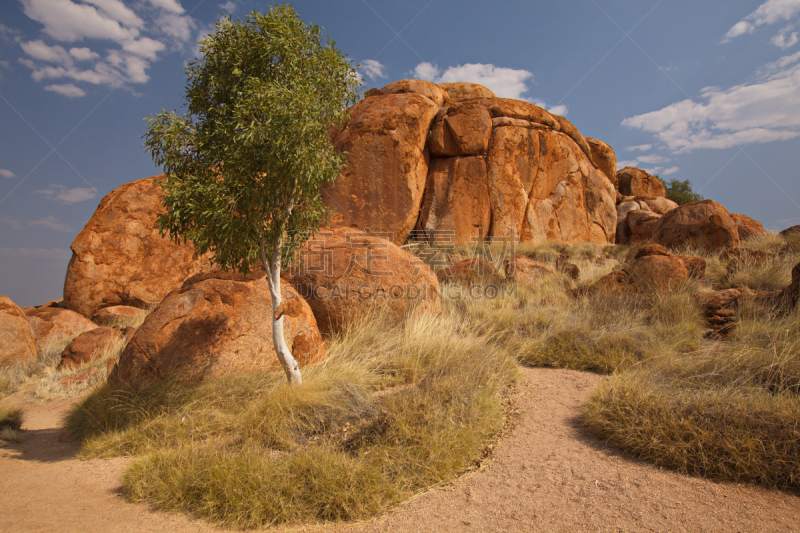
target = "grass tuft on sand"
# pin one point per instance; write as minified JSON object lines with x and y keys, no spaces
{"x":393,"y":411}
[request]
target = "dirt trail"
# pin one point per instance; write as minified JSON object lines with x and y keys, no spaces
{"x":547,"y":475}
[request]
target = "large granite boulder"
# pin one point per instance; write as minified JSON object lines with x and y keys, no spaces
{"x":539,"y":172}
{"x":466,"y":91}
{"x":604,"y":158}
{"x":217,"y":324}
{"x":421,"y":87}
{"x":747,"y":226}
{"x":705,"y":225}
{"x":346,"y":274}
{"x":381,"y":187}
{"x":632,"y":181}
{"x":17,"y":342}
{"x":89,"y":346}
{"x":654,"y":267}
{"x":53,"y":325}
{"x":119,"y":258}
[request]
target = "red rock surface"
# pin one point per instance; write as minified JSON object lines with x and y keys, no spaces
{"x":747,"y":226}
{"x":89,"y":346}
{"x":217,"y":324}
{"x":522,"y":269}
{"x":381,"y":187}
{"x":52,"y":325}
{"x":119,"y":258}
{"x":348,"y":274}
{"x":466,"y":91}
{"x":17,"y":342}
{"x":457,"y":205}
{"x":705,"y":225}
{"x":421,"y":87}
{"x":632,"y":181}
{"x":118,"y":314}
{"x":465,"y":270}
{"x":604,"y":158}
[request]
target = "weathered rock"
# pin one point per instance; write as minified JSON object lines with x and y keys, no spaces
{"x":466,"y":91}
{"x":91,"y":345}
{"x":657,"y":204}
{"x":632,"y":181}
{"x":119,"y":258}
{"x":652,"y":249}
{"x":456,"y":206}
{"x":217,"y":323}
{"x":616,"y":281}
{"x":438,"y":95}
{"x":506,"y":107}
{"x":570,"y":270}
{"x":695,"y":265}
{"x":522,"y":269}
{"x":747,"y":226}
{"x":568,"y":128}
{"x":641,"y":226}
{"x":470,"y":126}
{"x":348,"y":274}
{"x":53,"y":325}
{"x":513,"y":165}
{"x":705,"y":225}
{"x":381,"y":187}
{"x":720,"y":310}
{"x":118,"y":314}
{"x":623,"y":235}
{"x":17,"y":342}
{"x":657,"y":271}
{"x":80,"y":378}
{"x":467,"y":270}
{"x":790,"y":232}
{"x":604,"y":158}
{"x":440,"y":140}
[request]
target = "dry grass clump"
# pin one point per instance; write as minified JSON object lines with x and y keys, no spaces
{"x":392,"y":411}
{"x":10,"y":418}
{"x":730,"y":410}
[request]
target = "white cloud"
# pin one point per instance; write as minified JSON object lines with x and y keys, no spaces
{"x":670,"y":170}
{"x":66,"y":89}
{"x":769,"y":12}
{"x":12,"y":222}
{"x":786,"y":38}
{"x":427,"y":71}
{"x":503,"y":82}
{"x":83,"y":54}
{"x":122,"y":46}
{"x":6,"y":173}
{"x":640,"y":148}
{"x":67,"y":196}
{"x":228,"y":6}
{"x":759,"y":112}
{"x":373,"y":69}
{"x":52,"y":223}
{"x":623,"y":164}
{"x":652,"y":159}
{"x":36,"y":253}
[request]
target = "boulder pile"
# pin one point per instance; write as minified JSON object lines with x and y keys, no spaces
{"x":453,"y":160}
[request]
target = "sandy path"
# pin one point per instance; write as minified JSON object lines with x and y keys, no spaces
{"x":546,"y":476}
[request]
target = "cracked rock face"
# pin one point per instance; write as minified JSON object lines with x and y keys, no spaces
{"x":17,"y":342}
{"x":119,"y":258}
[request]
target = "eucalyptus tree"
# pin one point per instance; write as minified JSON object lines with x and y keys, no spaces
{"x":244,"y":165}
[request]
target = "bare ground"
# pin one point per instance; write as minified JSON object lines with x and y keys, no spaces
{"x":546,"y":475}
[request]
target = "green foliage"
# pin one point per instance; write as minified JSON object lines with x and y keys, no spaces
{"x":680,"y":192}
{"x":245,"y":165}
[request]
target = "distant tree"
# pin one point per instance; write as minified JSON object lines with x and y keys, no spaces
{"x":680,"y":192}
{"x":245,"y":165}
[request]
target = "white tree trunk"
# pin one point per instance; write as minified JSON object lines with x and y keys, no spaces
{"x":273,"y":268}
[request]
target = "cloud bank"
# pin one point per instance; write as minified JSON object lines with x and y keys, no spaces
{"x":765,"y":110}
{"x":118,"y":42}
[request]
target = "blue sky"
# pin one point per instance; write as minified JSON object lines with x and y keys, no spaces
{"x":706,"y":91}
